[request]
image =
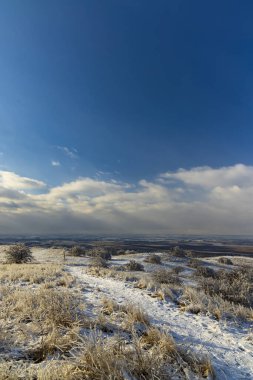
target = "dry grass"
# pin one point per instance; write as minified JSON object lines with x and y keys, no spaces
{"x":48,"y":306}
{"x":234,"y":286}
{"x":113,"y":273}
{"x":132,"y":314}
{"x":44,"y":320}
{"x":157,"y":290}
{"x":196,"y":301}
{"x":35,"y":274}
{"x":223,"y":294}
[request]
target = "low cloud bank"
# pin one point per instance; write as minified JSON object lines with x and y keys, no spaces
{"x":201,"y":200}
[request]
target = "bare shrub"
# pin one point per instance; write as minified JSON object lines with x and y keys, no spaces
{"x":178,"y":252}
{"x":196,"y":300}
{"x":202,"y":271}
{"x":194,"y":263}
{"x":153,"y":259}
{"x":225,"y":260}
{"x":235,"y":286}
{"x":99,"y":262}
{"x":134,"y":266}
{"x":100,"y":252}
{"x":165,"y":276}
{"x":76,"y":251}
{"x":18,"y":254}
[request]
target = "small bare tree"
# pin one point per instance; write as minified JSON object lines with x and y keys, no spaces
{"x":18,"y":254}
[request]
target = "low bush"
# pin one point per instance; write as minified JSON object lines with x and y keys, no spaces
{"x":153,"y":259}
{"x":99,"y":262}
{"x":202,"y":271}
{"x":165,"y":276}
{"x":100,"y":252}
{"x":198,"y":300}
{"x":134,"y":266}
{"x":235,"y":286}
{"x":178,"y":252}
{"x":18,"y":254}
{"x":225,"y":260}
{"x":76,"y":251}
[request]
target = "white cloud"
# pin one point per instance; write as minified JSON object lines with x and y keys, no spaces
{"x":55,"y":163}
{"x":202,"y":200}
{"x":71,"y":153}
{"x":10,"y":180}
{"x":240,"y":175}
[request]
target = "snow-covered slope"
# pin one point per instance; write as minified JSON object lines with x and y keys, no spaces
{"x":226,"y":344}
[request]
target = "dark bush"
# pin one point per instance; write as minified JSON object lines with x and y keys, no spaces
{"x":100,"y":252}
{"x":76,"y":250}
{"x":165,"y":276}
{"x":134,"y":266}
{"x":225,"y":260}
{"x":178,"y":252}
{"x":99,"y":262}
{"x":153,"y":259}
{"x":18,"y":254}
{"x":205,"y":272}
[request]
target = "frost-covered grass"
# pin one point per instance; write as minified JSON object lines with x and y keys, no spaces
{"x":50,"y":329}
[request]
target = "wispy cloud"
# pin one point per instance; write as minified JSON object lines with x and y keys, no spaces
{"x":10,"y":180}
{"x":71,"y":153}
{"x":200,"y":200}
{"x":55,"y":163}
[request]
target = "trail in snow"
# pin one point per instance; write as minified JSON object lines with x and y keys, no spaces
{"x":227,"y":347}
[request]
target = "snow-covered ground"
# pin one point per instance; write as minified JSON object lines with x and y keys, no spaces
{"x":227,"y":345}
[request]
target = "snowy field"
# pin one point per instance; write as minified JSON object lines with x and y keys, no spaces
{"x":226,"y":341}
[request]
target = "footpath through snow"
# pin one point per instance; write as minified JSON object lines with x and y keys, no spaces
{"x":226,"y":345}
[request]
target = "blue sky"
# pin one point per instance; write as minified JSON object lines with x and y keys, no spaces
{"x":124,"y":91}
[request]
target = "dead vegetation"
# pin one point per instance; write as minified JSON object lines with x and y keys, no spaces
{"x":46,"y":333}
{"x":223,"y":294}
{"x":153,"y":259}
{"x":76,"y":251}
{"x":225,"y":260}
{"x":98,"y":262}
{"x":166,"y":276}
{"x":47,"y":324}
{"x":134,"y":266}
{"x":18,"y":254}
{"x":51,"y":275}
